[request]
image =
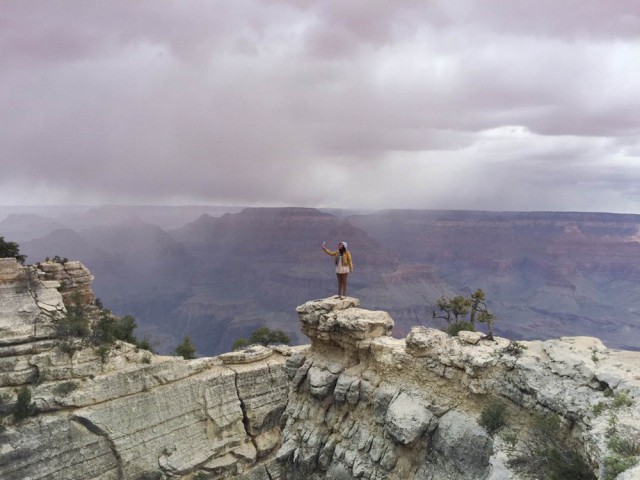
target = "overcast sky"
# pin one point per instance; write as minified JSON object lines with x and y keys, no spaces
{"x":456,"y":104}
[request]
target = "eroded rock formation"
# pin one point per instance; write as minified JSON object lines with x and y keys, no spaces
{"x":356,"y":403}
{"x":365,"y":405}
{"x":126,"y":414}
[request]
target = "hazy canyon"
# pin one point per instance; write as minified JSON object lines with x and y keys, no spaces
{"x":217,"y":273}
{"x":355,"y":403}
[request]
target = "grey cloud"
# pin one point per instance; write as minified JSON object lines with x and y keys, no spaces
{"x":261,"y":102}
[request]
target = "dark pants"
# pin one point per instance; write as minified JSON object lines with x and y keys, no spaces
{"x":342,"y":284}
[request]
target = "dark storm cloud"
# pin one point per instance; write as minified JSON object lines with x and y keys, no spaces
{"x":377,"y":104}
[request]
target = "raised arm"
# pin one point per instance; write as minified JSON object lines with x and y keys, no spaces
{"x":327,"y":251}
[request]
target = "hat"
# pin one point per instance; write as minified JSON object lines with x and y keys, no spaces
{"x":345,"y":245}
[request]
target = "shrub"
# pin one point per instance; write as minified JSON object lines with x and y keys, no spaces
{"x":186,"y":349}
{"x":11,"y":249}
{"x":24,"y":407}
{"x":263,"y":336}
{"x":69,"y":348}
{"x":624,"y":446}
{"x":110,"y":328}
{"x":616,"y":464}
{"x":566,"y":464}
{"x":144,"y":344}
{"x":103,"y":352}
{"x":266,"y":336}
{"x":64,"y":389}
{"x":598,"y":408}
{"x":76,"y":323}
{"x":457,"y":327}
{"x":493,"y":416}
{"x":546,"y":426}
{"x":620,"y":400}
{"x":240,"y":343}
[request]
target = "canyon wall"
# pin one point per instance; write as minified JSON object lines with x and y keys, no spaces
{"x":356,"y":403}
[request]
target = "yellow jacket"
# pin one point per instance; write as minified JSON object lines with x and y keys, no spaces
{"x":346,"y":257}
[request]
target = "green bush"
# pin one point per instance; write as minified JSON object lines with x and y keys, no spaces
{"x":457,"y":327}
{"x":598,"y":408}
{"x":240,"y":343}
{"x":620,"y":400}
{"x":624,"y":446}
{"x":24,"y":407}
{"x":186,"y":349}
{"x":144,"y":344}
{"x":614,"y":465}
{"x":110,"y":328}
{"x":103,"y":352}
{"x":493,"y":416}
{"x":263,"y":336}
{"x":566,"y":464}
{"x":11,"y":249}
{"x":76,"y":323}
{"x":266,"y":336}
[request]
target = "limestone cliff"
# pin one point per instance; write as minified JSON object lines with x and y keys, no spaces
{"x":356,"y":403}
{"x":126,"y":414}
{"x":365,"y":405}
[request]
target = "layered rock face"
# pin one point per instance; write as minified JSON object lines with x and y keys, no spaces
{"x":356,"y":403}
{"x":365,"y":405}
{"x":125,"y":413}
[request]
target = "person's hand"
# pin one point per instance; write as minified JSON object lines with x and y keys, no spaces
{"x":324,"y":244}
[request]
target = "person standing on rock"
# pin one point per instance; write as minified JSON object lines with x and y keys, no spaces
{"x":344,"y":266}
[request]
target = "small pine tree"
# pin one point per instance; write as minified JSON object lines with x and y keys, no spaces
{"x":186,"y":349}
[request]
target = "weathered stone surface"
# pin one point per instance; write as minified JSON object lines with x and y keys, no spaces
{"x":263,"y":390}
{"x":253,"y":353}
{"x":407,"y":418}
{"x":55,"y":447}
{"x":125,"y":413}
{"x":27,"y":307}
{"x":461,"y":448}
{"x":339,"y":321}
{"x":420,"y":419}
{"x":73,"y":278}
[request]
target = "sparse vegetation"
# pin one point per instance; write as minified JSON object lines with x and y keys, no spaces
{"x":186,"y":349}
{"x":455,"y":309}
{"x":457,"y":327}
{"x":76,"y":323}
{"x":493,"y":416}
{"x":24,"y":407}
{"x":102,"y":351}
{"x":57,"y":259}
{"x":614,"y":465}
{"x":65,"y":388}
{"x":110,"y":328}
{"x":514,"y":348}
{"x":11,"y":250}
{"x":544,"y":452}
{"x":240,"y":343}
{"x":625,"y":451}
{"x":263,"y":336}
